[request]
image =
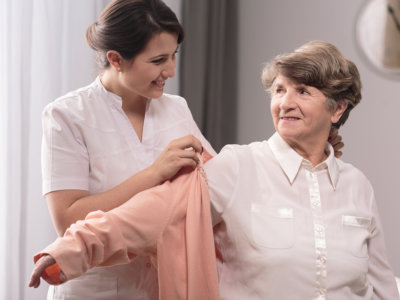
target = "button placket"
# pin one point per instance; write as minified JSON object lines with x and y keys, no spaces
{"x":319,"y":233}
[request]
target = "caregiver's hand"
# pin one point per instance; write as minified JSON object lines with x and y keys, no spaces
{"x":179,"y":153}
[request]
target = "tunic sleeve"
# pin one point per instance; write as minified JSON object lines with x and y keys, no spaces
{"x":380,"y":274}
{"x":65,"y":160}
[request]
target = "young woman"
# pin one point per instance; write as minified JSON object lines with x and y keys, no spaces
{"x":120,"y":135}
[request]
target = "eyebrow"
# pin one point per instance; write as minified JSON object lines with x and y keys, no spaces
{"x":163,"y":54}
{"x":301,"y":86}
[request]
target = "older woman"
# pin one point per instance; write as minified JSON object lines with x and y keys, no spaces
{"x":294,"y":221}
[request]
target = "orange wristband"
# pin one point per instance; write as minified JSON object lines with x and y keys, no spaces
{"x":51,"y":272}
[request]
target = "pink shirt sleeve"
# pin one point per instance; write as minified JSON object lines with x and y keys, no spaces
{"x":171,"y":223}
{"x":114,"y":237}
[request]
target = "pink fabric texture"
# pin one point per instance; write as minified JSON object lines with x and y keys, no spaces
{"x":171,"y":223}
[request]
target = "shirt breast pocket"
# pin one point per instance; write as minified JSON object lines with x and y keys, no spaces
{"x":356,"y":233}
{"x":272,"y":227}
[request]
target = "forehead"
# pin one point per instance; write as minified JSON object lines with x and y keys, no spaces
{"x":283,"y":80}
{"x":286,"y":82}
{"x":163,"y":43}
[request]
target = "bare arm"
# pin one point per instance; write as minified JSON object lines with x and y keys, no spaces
{"x":68,"y":206}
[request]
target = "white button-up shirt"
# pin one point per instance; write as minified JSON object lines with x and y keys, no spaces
{"x":288,"y":230}
{"x":90,"y":144}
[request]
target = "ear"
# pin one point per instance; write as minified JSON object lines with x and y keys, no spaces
{"x":115,"y":59}
{"x":342,"y":105}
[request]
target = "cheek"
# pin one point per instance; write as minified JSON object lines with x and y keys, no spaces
{"x":274,"y":108}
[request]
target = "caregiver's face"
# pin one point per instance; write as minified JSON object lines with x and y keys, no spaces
{"x":300,"y":113}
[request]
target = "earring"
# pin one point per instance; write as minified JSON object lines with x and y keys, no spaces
{"x":119,"y":69}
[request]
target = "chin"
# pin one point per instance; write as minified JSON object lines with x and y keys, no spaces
{"x":155,"y":95}
{"x":290,"y":133}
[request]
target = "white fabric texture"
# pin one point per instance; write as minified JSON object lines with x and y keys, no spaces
{"x":90,"y":144}
{"x":288,"y":230}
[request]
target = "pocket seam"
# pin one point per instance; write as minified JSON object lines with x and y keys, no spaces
{"x":355,"y":221}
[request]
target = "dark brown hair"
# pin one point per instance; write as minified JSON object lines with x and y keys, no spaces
{"x":323,"y":66}
{"x":127,"y":26}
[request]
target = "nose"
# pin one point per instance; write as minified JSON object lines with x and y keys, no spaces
{"x":169,"y":70}
{"x":288,"y":101}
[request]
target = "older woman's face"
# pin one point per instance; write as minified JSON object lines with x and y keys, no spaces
{"x":299,"y":112}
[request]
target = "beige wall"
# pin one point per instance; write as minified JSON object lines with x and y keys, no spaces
{"x":371,"y":135}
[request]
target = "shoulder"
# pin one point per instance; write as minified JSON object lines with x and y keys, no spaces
{"x":349,"y":170}
{"x":76,"y":102}
{"x":173,"y":98}
{"x":236,"y":154}
{"x":169,"y":109}
{"x":172,"y":102}
{"x":354,"y":176}
{"x":246,"y":150}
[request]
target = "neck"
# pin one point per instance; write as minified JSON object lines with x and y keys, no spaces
{"x":313,"y":152}
{"x":130,"y":102}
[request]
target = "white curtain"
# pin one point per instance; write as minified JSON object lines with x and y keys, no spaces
{"x":43,"y":55}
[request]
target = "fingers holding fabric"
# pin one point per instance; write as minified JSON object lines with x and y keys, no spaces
{"x":180,"y":153}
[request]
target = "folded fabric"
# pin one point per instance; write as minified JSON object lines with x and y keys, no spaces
{"x":171,"y":223}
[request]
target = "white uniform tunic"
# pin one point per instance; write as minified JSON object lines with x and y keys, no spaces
{"x":89,"y":144}
{"x":288,"y":230}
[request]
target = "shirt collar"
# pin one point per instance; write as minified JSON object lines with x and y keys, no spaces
{"x":291,"y":162}
{"x":116,"y":100}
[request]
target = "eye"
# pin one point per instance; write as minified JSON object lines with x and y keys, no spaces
{"x":278,"y":90}
{"x":158,"y":61}
{"x":304,"y":91}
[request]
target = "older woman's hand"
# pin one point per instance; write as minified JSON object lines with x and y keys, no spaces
{"x":44,"y":262}
{"x":336,"y":141}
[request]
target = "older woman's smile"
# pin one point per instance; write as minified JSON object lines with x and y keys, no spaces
{"x":290,"y":118}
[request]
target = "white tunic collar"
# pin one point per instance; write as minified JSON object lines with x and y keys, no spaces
{"x":290,"y":161}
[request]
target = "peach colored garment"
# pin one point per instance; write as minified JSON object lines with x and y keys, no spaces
{"x":171,"y":223}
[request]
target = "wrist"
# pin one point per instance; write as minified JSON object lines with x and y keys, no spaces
{"x":153,"y":176}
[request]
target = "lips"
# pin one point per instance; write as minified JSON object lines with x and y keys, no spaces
{"x":159,"y":83}
{"x":288,"y":118}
